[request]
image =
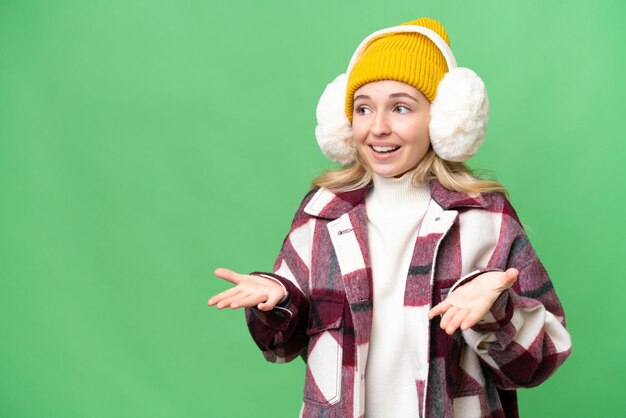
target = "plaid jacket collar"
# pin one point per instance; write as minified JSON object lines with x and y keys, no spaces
{"x":328,"y":205}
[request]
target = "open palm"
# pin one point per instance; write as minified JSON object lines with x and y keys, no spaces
{"x":468,"y":303}
{"x":249,"y":291}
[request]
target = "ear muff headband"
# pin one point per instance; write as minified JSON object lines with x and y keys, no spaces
{"x":430,"y":34}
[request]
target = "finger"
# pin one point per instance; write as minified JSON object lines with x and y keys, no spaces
{"x":448,"y":316}
{"x":440,"y":309}
{"x":456,"y":321}
{"x":220,"y":296}
{"x":228,"y":275}
{"x":472,"y":318}
{"x":246,"y":302}
{"x":227,"y":301}
{"x":264,"y":306}
{"x":271,"y":302}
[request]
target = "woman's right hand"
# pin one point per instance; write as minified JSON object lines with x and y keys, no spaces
{"x":249,"y":291}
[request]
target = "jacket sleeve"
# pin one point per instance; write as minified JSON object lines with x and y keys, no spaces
{"x":523,"y":339}
{"x":281,"y":332}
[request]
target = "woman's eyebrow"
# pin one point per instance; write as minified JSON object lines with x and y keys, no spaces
{"x":360,"y":96}
{"x":403,"y":95}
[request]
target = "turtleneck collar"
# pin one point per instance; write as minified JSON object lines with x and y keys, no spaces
{"x":392,"y":194}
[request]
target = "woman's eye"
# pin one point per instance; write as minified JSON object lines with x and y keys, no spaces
{"x":402,"y":109}
{"x":362,"y":110}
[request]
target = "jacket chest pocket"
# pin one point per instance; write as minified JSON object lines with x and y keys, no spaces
{"x":323,"y":369}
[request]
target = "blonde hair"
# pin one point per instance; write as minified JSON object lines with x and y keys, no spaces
{"x":454,"y":176}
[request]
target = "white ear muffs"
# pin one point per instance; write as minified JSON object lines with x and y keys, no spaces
{"x":458,"y":115}
{"x":334,"y":130}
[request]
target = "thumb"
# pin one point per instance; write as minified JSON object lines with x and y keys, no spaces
{"x":510,"y":277}
{"x":228,"y":275}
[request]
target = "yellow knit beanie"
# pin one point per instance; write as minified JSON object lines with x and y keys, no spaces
{"x":408,"y":57}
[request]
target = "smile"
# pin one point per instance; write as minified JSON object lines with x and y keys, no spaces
{"x":384,"y":149}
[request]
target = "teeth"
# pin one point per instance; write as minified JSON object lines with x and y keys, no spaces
{"x":384,"y":149}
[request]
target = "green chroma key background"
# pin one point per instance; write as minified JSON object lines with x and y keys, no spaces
{"x":144,"y":143}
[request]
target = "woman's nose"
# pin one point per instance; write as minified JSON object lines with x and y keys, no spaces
{"x":381,"y":127}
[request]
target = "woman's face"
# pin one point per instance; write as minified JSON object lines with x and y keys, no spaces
{"x":390,"y":126}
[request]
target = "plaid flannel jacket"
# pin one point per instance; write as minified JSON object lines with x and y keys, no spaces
{"x":326,"y":316}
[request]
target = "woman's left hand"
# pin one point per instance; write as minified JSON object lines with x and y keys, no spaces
{"x":468,"y":303}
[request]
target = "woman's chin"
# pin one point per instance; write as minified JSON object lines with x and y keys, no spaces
{"x":389,"y":172}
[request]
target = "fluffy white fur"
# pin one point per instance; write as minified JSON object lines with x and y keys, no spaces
{"x":459,"y":115}
{"x":334,"y":131}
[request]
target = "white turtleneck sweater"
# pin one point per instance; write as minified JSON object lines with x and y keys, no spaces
{"x":395,"y":209}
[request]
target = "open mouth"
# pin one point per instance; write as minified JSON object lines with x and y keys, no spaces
{"x":384,"y":149}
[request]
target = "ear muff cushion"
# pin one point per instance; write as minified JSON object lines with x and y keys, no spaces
{"x":334,"y":130}
{"x":459,"y":115}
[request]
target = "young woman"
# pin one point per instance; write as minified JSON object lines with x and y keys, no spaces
{"x":406,"y":284}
